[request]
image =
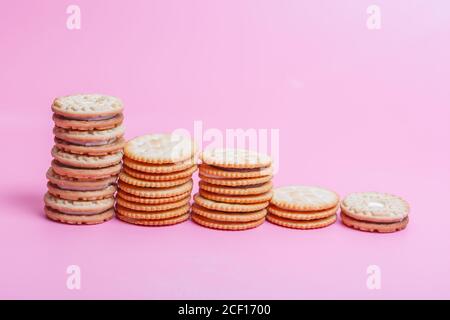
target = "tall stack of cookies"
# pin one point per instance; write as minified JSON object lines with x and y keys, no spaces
{"x":303,"y":207}
{"x":87,"y":158}
{"x":156,"y":182}
{"x":374,"y":212}
{"x":234,"y":189}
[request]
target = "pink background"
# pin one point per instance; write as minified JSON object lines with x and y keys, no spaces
{"x":357,"y":110}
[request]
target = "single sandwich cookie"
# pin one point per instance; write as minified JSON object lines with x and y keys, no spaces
{"x":85,"y":161}
{"x":370,"y":226}
{"x":79,"y":218}
{"x":87,"y":124}
{"x":155,"y":223}
{"x":68,"y":183}
{"x":85,"y":173}
{"x":131,"y":198}
{"x":152,"y":215}
{"x":156,"y":192}
{"x":375,"y":207}
{"x":78,"y":207}
{"x":236,"y":199}
{"x":160,"y":148}
{"x":87,"y":106}
{"x":304,"y":198}
{"x":54,"y":190}
{"x":152,"y":207}
{"x":235,"y":158}
{"x":235,"y":182}
{"x":228,"y":207}
{"x":236,"y":191}
{"x":226,"y":225}
{"x":302,"y":224}
{"x":160,"y":176}
{"x":301,"y":215}
{"x":90,"y":138}
{"x":105,"y":149}
{"x":151,"y":184}
{"x":227,"y":216}
{"x":158,"y":168}
{"x":232,"y":173}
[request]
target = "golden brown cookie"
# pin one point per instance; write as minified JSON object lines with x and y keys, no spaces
{"x":68,"y":183}
{"x":236,"y":191}
{"x":79,"y":218}
{"x":232,"y":173}
{"x":369,"y":226}
{"x":152,"y":215}
{"x":235,"y":182}
{"x":301,"y":215}
{"x":158,"y":168}
{"x":77,"y":206}
{"x":156,"y":192}
{"x":86,"y":161}
{"x":249,"y":199}
{"x":85,"y":173}
{"x":55,"y":191}
{"x":226,"y":225}
{"x":123,"y":176}
{"x":160,"y":176}
{"x":105,"y":149}
{"x":87,"y":124}
{"x":235,"y":158}
{"x":229,"y":207}
{"x":227,"y":216}
{"x":136,"y":199}
{"x":155,"y":223}
{"x":304,"y":198}
{"x":302,"y":224}
{"x":87,"y":106}
{"x":152,"y":207}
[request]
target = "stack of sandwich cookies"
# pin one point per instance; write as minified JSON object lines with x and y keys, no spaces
{"x":303,"y":207}
{"x":374,"y":212}
{"x":234,"y":189}
{"x":87,"y":159}
{"x":156,"y":181}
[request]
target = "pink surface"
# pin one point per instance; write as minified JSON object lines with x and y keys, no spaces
{"x":357,"y":110}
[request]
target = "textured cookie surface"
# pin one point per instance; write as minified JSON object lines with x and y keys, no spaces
{"x":152,"y":215}
{"x":92,"y":137}
{"x":160,"y":148}
{"x":79,"y":219}
{"x":228,"y":207}
{"x":302,"y":224}
{"x":227,"y":216}
{"x":226,"y":225}
{"x":156,"y":192}
{"x":69,"y":183}
{"x":86,"y":161}
{"x":158,"y":168}
{"x":217,"y":172}
{"x":103,"y":149}
{"x":107,"y":192}
{"x":152,"y":207}
{"x":78,"y":207}
{"x":160,"y":176}
{"x":151,"y":184}
{"x":236,"y":191}
{"x":375,"y":206}
{"x":301,"y":215}
{"x":84,"y":106}
{"x":374,"y":226}
{"x":155,"y":223}
{"x":235,"y":182}
{"x":136,"y":199}
{"x":85,"y":173}
{"x":235,"y":158}
{"x":87,"y":124}
{"x":236,"y":199}
{"x":304,"y":198}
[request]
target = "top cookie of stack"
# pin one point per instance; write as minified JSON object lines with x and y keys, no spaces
{"x":87,"y":158}
{"x":235,"y":189}
{"x":156,"y":182}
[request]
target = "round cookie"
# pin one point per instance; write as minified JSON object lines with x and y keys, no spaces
{"x":228,"y":207}
{"x":152,"y":207}
{"x":374,"y":226}
{"x":227,"y":216}
{"x":231,"y":173}
{"x":79,"y":219}
{"x":85,"y":173}
{"x":155,"y":223}
{"x":105,"y":149}
{"x":375,"y":207}
{"x":152,"y":215}
{"x":156,"y":192}
{"x":87,"y":124}
{"x":160,"y":148}
{"x":160,"y":176}
{"x":236,"y":191}
{"x":226,"y":225}
{"x":151,"y":184}
{"x":302,"y":224}
{"x":301,"y":215}
{"x":236,"y":199}
{"x":158,"y":168}
{"x":89,"y":138}
{"x":54,"y":190}
{"x":235,"y":158}
{"x":86,"y":161}
{"x":87,"y":106}
{"x":131,"y":198}
{"x":235,"y":182}
{"x":78,"y":207}
{"x":304,"y":198}
{"x":68,"y":183}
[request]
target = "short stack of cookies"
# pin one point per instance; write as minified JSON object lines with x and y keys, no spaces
{"x":156,"y":181}
{"x":374,"y":212}
{"x":234,"y":189}
{"x":87,"y":158}
{"x":303,"y":207}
